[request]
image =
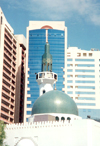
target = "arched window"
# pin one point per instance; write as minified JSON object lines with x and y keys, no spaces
{"x":57,"y":118}
{"x":43,"y":91}
{"x":62,"y":118}
{"x":68,"y":118}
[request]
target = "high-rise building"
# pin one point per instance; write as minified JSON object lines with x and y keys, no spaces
{"x":20,"y":79}
{"x":83,"y":81}
{"x":38,"y":33}
{"x":9,"y":68}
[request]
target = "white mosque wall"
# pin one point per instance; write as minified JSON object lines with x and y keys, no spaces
{"x":76,"y":133}
{"x":52,"y":117}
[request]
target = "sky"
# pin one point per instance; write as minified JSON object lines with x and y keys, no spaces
{"x":82,"y":18}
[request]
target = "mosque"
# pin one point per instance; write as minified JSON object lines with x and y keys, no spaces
{"x":54,"y":120}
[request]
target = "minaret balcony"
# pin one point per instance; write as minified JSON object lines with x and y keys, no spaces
{"x":46,"y":76}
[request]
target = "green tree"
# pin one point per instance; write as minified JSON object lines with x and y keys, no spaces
{"x":2,"y":132}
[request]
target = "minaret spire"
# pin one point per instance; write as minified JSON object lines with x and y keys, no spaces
{"x":46,"y":78}
{"x":47,"y":59}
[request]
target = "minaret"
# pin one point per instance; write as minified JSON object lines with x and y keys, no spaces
{"x":47,"y":59}
{"x":46,"y":78}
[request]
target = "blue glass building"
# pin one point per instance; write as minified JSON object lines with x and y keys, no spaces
{"x":37,"y":40}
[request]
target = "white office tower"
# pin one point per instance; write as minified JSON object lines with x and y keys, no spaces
{"x":83,"y":80}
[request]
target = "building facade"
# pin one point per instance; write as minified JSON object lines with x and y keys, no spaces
{"x":9,"y":64}
{"x":37,"y":34}
{"x":82,"y":132}
{"x":83,"y":81}
{"x":8,"y":45}
{"x":20,"y":79}
{"x":54,"y":119}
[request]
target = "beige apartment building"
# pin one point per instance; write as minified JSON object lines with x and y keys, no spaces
{"x":9,"y":68}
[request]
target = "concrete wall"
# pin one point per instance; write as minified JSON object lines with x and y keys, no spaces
{"x":75,"y":133}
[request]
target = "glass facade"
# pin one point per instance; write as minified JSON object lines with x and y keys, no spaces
{"x":37,"y":41}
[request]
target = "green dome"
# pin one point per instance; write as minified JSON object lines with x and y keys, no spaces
{"x":54,"y":102}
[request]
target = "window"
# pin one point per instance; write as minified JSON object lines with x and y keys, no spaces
{"x":84,"y":81}
{"x":28,"y":112}
{"x":26,"y":119}
{"x":77,"y":70}
{"x":69,"y":92}
{"x":62,"y":118}
{"x":68,"y":64}
{"x":84,"y":60}
{"x":43,"y":91}
{"x":57,"y":118}
{"x":68,"y":118}
{"x":84,"y":54}
{"x":36,"y":76}
{"x":85,"y":87}
{"x":86,"y":104}
{"x":86,"y":98}
{"x":69,"y":81}
{"x":78,"y":54}
{"x":90,"y":54}
{"x":79,"y":92}
{"x":88,"y":116}
{"x":85,"y":65}
{"x":1,"y":19}
{"x":69,"y":60}
{"x":69,"y":70}
{"x":85,"y":76}
{"x":29,"y":105}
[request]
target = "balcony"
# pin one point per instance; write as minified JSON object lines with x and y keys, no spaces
{"x":12,"y":97}
{"x":9,"y":69}
{"x":13,"y":91}
{"x":7,"y":74}
{"x":13,"y":67}
{"x":23,"y":61}
{"x":13,"y":85}
{"x":8,"y":108}
{"x":14,"y":56}
{"x":14,"y":62}
{"x":23,"y":56}
{"x":6,"y":114}
{"x":6,"y":121}
{"x":6,"y":93}
{"x":9,"y":36}
{"x":13,"y":80}
{"x":8,"y":101}
{"x":14,"y":46}
{"x":7,"y":80}
{"x":5,"y":86}
{"x":7,"y":42}
{"x":9,"y":51}
{"x":14,"y":42}
{"x":8,"y":61}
